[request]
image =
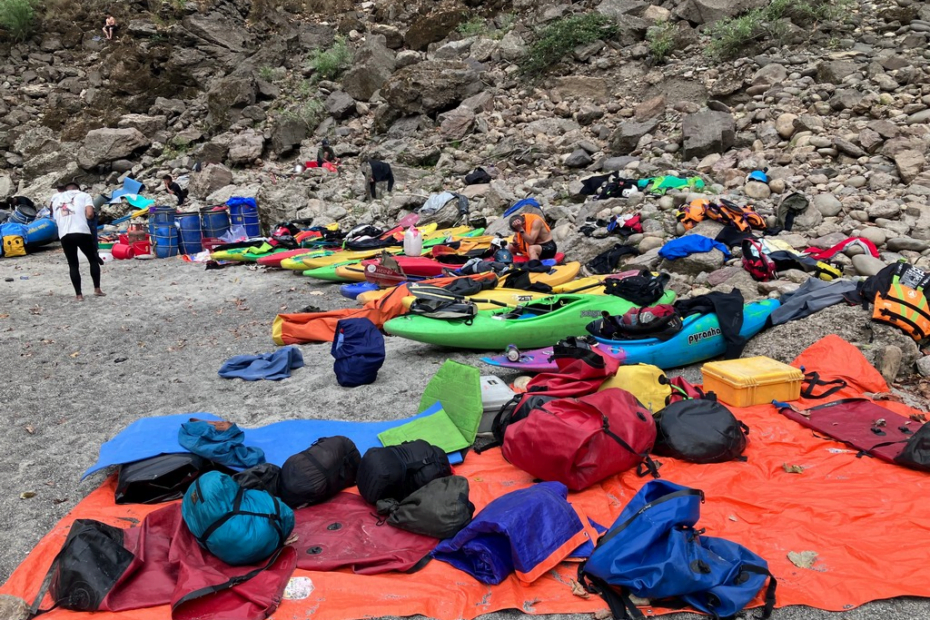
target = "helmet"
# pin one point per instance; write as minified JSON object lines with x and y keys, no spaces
{"x":503,"y":256}
{"x":758,"y":175}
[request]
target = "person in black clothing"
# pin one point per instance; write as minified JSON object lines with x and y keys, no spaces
{"x":174,"y":189}
{"x":375,"y":172}
{"x":325,"y":153}
{"x":14,"y":201}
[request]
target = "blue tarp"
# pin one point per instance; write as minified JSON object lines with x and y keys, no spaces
{"x":153,"y":436}
{"x":272,"y":366}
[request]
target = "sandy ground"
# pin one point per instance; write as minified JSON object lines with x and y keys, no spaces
{"x":77,"y":373}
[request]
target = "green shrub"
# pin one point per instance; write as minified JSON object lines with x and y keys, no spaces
{"x":18,"y":18}
{"x":474,"y":27}
{"x":557,"y":40}
{"x":661,"y":37}
{"x":730,"y":37}
{"x":329,"y":64}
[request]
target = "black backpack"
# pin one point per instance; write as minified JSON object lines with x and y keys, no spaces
{"x":617,"y":187}
{"x":643,"y":290}
{"x":477,"y":176}
{"x":264,"y":477}
{"x":439,"y":509}
{"x":394,"y":472}
{"x":700,"y":431}
{"x":916,"y":452}
{"x":159,"y":479}
{"x":319,"y":472}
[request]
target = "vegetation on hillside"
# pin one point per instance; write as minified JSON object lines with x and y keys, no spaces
{"x":18,"y":18}
{"x":557,"y":40}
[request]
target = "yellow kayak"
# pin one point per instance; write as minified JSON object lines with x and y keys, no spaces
{"x":558,"y":275}
{"x":591,"y":285}
{"x":494,"y":298}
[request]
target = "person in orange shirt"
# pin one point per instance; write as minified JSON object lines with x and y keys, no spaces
{"x":532,"y":237}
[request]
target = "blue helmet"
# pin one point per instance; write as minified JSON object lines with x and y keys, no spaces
{"x":758,"y":175}
{"x":503,"y":256}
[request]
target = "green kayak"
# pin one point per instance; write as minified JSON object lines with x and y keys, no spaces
{"x":328,"y":273}
{"x":539,"y":323}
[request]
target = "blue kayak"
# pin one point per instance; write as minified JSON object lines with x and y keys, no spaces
{"x":355,"y":289}
{"x":699,"y":340}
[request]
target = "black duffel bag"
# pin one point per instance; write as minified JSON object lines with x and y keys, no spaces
{"x":700,"y":431}
{"x":394,"y":472}
{"x":319,"y":472}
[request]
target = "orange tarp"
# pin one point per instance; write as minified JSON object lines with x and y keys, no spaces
{"x":868,"y":521}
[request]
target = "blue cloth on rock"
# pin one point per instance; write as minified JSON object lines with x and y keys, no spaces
{"x":691,"y":244}
{"x":272,"y":366}
{"x":224,"y":447}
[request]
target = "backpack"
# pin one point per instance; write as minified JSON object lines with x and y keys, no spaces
{"x":477,"y":176}
{"x":581,"y":441}
{"x":902,"y":301}
{"x":394,"y":472}
{"x":440,"y":508}
{"x":358,"y":349}
{"x":642,"y":290}
{"x":700,"y":431}
{"x":654,"y":550}
{"x":759,"y":265}
{"x":662,"y":322}
{"x":13,"y":245}
{"x":608,"y":260}
{"x":647,"y":383}
{"x":319,"y":472}
{"x":691,"y":214}
{"x":239,"y":526}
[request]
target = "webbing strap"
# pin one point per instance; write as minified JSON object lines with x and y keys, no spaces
{"x":812,"y":379}
{"x":616,"y":530}
{"x":651,"y":467}
{"x":769,"y":591}
{"x":231,"y":583}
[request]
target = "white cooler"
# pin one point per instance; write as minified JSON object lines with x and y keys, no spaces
{"x":494,"y":393}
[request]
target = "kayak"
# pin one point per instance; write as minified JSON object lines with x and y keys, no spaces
{"x":414,"y":266}
{"x":354,"y":289}
{"x":276,"y":258}
{"x":243,"y":255}
{"x":538,"y":323}
{"x":494,"y":298}
{"x":556,"y":276}
{"x":699,"y":340}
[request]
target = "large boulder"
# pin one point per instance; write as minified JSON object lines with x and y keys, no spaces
{"x":281,"y":202}
{"x":246,"y":147}
{"x":458,"y":123}
{"x":227,"y":98}
{"x":209,"y":179}
{"x":710,"y":11}
{"x":219,"y":30}
{"x":143,"y":122}
{"x":431,"y":86}
{"x":432,"y":28}
{"x":339,"y":104}
{"x":372,"y":65}
{"x":706,"y":132}
{"x":581,"y":87}
{"x":287,"y":134}
{"x":105,"y":145}
{"x":833,"y":71}
{"x":626,"y":137}
{"x":36,"y":141}
{"x":909,"y":163}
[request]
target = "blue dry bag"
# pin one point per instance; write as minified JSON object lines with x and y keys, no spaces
{"x":239,"y":526}
{"x":359,"y":351}
{"x":654,"y":551}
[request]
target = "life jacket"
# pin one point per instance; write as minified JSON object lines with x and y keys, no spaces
{"x":529,"y":220}
{"x":904,"y":304}
{"x":756,"y":261}
{"x":743,"y":217}
{"x":692,"y":213}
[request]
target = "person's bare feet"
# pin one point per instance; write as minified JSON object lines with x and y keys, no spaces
{"x":99,"y":293}
{"x":79,"y":298}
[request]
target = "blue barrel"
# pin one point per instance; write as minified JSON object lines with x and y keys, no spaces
{"x":161,"y":215}
{"x":23,"y":214}
{"x":189,"y":232}
{"x":244,"y":212}
{"x":214,"y":224}
{"x":164,"y":240}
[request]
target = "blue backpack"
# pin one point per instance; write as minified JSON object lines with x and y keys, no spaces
{"x":239,"y":526}
{"x":359,"y":351}
{"x":654,"y":551}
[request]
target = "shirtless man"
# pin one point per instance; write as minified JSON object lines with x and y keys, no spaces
{"x":532,"y":237}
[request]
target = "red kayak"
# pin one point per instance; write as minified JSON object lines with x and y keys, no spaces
{"x":419,"y":266}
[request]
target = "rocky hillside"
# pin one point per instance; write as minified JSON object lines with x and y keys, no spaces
{"x":831,"y":96}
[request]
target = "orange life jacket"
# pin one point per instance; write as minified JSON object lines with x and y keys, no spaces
{"x":690,"y":214}
{"x":905,"y":307}
{"x":518,"y":241}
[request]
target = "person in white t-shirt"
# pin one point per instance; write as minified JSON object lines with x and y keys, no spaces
{"x":72,"y":209}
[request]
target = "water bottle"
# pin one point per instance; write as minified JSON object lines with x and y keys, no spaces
{"x":413,"y":242}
